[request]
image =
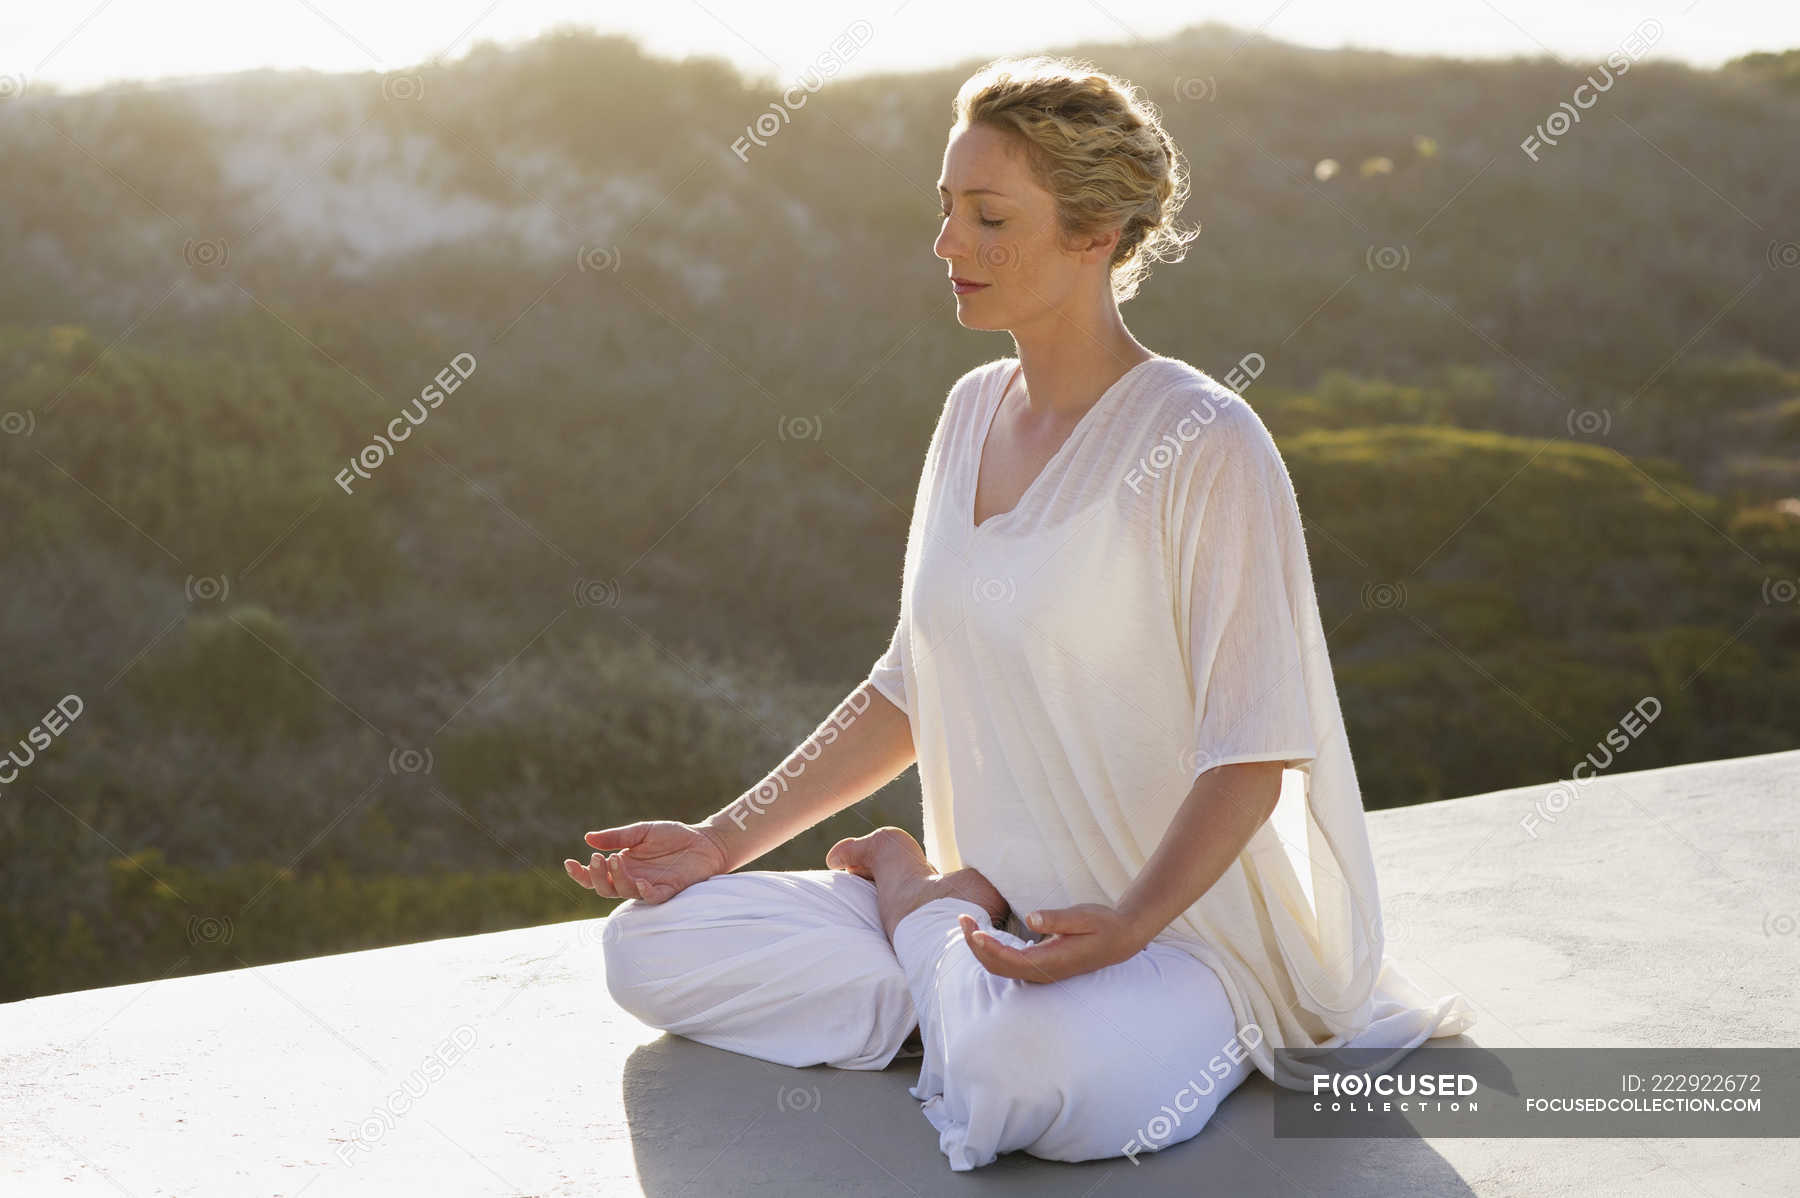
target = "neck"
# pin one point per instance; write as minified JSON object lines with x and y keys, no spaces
{"x":1071,"y":358}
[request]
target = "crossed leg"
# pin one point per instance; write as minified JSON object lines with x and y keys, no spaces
{"x":1121,"y":1061}
{"x":797,"y":967}
{"x":785,"y":966}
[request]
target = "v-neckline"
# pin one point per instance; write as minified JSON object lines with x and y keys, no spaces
{"x":985,"y":427}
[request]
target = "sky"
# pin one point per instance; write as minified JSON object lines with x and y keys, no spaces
{"x":93,"y":42}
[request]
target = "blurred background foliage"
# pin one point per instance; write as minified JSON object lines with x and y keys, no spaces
{"x":1543,"y":419}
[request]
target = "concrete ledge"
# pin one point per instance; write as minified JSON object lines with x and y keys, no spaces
{"x":1648,"y":912}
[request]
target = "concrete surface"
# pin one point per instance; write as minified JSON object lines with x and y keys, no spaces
{"x":1657,"y":908}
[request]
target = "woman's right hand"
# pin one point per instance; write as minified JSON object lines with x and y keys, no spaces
{"x":652,"y":860}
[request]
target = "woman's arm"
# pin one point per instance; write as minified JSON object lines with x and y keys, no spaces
{"x":1213,"y":825}
{"x":859,"y":748}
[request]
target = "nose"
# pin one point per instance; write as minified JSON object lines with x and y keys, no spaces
{"x":950,"y":240}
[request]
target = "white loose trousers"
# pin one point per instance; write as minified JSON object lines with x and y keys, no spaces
{"x":792,"y":967}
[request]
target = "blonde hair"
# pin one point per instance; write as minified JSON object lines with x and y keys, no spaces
{"x":1097,"y":145}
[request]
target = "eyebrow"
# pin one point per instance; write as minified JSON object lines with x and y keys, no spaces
{"x":977,"y":191}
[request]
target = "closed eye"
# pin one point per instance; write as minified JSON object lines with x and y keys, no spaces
{"x":992,"y":224}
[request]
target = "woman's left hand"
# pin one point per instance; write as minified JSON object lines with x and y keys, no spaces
{"x":1078,"y":939}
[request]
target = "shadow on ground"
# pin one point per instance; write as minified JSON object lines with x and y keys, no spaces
{"x":704,"y":1121}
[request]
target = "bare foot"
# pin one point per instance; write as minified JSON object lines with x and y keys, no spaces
{"x":890,"y":847}
{"x":905,"y":880}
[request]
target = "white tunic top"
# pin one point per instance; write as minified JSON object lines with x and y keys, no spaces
{"x":1145,"y":613}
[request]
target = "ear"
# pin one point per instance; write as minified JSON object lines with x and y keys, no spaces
{"x":1098,"y":247}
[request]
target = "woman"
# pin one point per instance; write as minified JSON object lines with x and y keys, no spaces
{"x":1145,"y":870}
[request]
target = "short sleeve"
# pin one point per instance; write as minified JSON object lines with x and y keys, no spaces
{"x":889,"y":674}
{"x":1243,"y":588}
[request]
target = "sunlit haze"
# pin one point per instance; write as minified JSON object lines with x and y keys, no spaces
{"x":75,"y":47}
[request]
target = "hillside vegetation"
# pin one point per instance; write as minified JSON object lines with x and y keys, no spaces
{"x":1543,"y":418}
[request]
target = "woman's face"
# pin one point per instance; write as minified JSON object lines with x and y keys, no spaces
{"x":1000,"y":230}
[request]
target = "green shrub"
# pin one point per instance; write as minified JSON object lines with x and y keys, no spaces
{"x":239,"y":675}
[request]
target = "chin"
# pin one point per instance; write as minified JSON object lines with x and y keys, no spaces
{"x":970,"y":320}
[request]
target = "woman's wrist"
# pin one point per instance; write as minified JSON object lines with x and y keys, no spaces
{"x":722,"y":837}
{"x":1144,"y":924}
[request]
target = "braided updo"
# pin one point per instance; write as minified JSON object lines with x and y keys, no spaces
{"x":1097,"y":145}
